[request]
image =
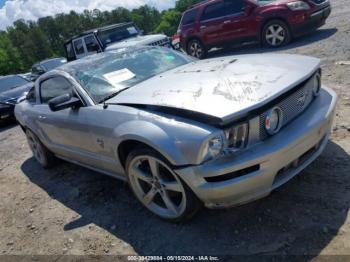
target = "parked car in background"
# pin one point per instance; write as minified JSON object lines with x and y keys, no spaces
{"x":183,"y":132}
{"x":12,"y":88}
{"x":111,"y":37}
{"x":45,"y":66}
{"x":27,"y":76}
{"x":272,"y":22}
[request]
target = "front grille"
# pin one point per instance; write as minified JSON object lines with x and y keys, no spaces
{"x":319,"y":2}
{"x":292,"y":106}
{"x":162,"y":42}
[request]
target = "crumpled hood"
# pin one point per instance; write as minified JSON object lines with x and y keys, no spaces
{"x":225,"y":88}
{"x":15,"y":92}
{"x":137,"y":40}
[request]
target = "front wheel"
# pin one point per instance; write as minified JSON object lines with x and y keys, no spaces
{"x":158,"y":188}
{"x":40,"y":152}
{"x":276,"y":33}
{"x":196,"y":49}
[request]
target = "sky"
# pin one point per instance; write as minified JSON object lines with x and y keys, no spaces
{"x":12,"y":10}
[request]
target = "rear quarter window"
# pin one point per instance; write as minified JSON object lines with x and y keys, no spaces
{"x":189,"y":17}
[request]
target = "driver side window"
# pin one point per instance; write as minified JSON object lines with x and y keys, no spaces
{"x":54,"y":87}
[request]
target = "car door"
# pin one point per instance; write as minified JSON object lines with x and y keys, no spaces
{"x":212,"y":23}
{"x":66,"y":132}
{"x":238,"y":22}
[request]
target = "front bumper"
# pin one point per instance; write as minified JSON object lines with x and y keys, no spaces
{"x":278,"y":159}
{"x":314,"y":21}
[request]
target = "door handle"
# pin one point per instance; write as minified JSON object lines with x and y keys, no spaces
{"x":203,"y":27}
{"x":227,"y":21}
{"x":42,"y":117}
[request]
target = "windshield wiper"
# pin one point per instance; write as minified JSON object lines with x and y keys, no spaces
{"x":112,"y":95}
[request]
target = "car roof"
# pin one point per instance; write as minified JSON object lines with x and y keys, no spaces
{"x":104,"y":28}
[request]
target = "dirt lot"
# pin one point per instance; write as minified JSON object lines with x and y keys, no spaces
{"x":71,"y":210}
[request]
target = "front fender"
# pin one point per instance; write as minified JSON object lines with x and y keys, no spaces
{"x":153,"y":136}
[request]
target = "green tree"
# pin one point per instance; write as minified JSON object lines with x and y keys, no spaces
{"x":170,"y":19}
{"x":169,"y":22}
{"x":10,"y":61}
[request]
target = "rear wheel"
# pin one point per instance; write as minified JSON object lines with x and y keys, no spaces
{"x":276,"y":33}
{"x":158,"y":188}
{"x":196,"y":49}
{"x":40,"y":152}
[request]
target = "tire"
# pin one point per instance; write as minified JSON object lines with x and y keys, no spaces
{"x":196,"y":49}
{"x":45,"y":158}
{"x":155,"y":184}
{"x":276,"y":33}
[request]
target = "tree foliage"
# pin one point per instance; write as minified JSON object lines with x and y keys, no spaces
{"x":27,"y":42}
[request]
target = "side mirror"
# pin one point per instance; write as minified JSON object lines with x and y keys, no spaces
{"x":63,"y":102}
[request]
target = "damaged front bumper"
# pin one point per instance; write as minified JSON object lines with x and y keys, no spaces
{"x":252,"y":174}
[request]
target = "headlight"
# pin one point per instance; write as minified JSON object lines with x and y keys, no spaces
{"x":316,"y":82}
{"x":298,"y":5}
{"x":213,"y":148}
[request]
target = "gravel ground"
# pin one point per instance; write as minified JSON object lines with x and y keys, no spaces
{"x":71,"y":210}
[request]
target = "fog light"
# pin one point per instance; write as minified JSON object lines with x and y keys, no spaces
{"x":274,"y":121}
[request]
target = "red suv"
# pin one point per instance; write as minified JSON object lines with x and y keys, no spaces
{"x":272,"y":22}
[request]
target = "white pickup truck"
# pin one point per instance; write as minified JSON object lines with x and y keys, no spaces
{"x":110,"y":37}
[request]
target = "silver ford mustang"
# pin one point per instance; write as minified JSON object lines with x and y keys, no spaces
{"x":220,"y":132}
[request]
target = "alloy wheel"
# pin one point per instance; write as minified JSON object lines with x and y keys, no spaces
{"x":196,"y":49}
{"x":275,"y":35}
{"x":157,"y":187}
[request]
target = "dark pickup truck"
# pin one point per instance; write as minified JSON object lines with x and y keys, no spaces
{"x":110,"y":37}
